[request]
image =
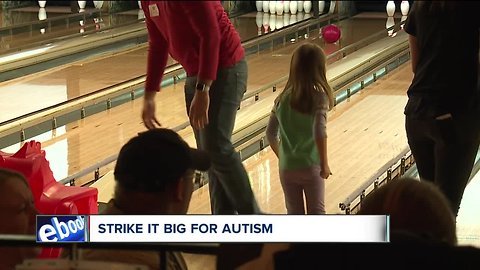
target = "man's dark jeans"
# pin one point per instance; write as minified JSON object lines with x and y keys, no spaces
{"x":230,"y":190}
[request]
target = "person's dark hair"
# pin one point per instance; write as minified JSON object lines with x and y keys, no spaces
{"x":414,"y":206}
{"x":8,"y":174}
{"x":156,"y":158}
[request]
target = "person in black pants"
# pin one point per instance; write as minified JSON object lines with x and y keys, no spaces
{"x":442,"y":113}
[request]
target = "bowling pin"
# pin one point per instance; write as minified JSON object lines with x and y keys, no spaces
{"x":266,"y":24}
{"x":279,"y":24}
{"x":259,"y":5}
{"x":272,"y":7}
{"x":42,"y":14}
{"x":293,"y":18}
{"x":82,"y":26}
{"x":258,"y":20}
{"x":402,"y":21}
{"x":286,"y":19}
{"x":332,"y":7}
{"x":273,"y":22}
{"x":390,"y":23}
{"x":321,"y":6}
{"x":82,"y":4}
{"x":299,"y":6}
{"x":286,"y":7}
{"x":140,"y":15}
{"x":96,"y":21}
{"x":390,"y":8}
{"x":98,"y":4}
{"x":42,"y":4}
{"x":293,"y":7}
{"x":300,"y":16}
{"x":266,"y":5}
{"x":279,"y":7}
{"x":307,"y":6}
{"x":404,"y":7}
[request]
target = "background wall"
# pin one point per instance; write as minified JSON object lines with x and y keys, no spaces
{"x":235,"y":8}
{"x":14,"y":4}
{"x":377,"y":6}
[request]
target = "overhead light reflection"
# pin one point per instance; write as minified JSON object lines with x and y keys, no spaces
{"x":24,"y":54}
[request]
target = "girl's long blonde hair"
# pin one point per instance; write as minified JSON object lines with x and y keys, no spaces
{"x":307,"y":76}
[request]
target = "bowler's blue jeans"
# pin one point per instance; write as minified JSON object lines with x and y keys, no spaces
{"x":230,"y":190}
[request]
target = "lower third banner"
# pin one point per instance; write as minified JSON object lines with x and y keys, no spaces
{"x":238,"y":228}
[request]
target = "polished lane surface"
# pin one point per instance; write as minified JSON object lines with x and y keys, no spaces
{"x":41,"y":26}
{"x":358,"y":137}
{"x":64,"y":83}
{"x":85,"y":142}
{"x":70,"y":81}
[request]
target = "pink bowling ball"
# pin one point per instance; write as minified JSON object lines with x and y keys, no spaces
{"x":331,"y":33}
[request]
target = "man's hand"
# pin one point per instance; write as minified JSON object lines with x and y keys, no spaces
{"x":148,"y":113}
{"x":199,"y":110}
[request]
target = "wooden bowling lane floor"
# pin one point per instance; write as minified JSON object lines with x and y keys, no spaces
{"x":58,"y":29}
{"x":83,"y":143}
{"x":67,"y":82}
{"x":349,"y":160}
{"x":468,"y":219}
{"x":360,"y":141}
{"x":95,"y":21}
{"x":263,"y":171}
{"x":353,"y":166}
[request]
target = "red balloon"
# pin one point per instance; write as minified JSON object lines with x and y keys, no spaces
{"x":331,"y":33}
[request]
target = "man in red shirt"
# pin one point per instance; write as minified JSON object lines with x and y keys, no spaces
{"x":200,"y":36}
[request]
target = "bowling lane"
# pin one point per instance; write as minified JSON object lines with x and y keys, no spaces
{"x":64,"y":83}
{"x":22,"y":44}
{"x":94,"y":27}
{"x":360,"y":141}
{"x":88,"y":141}
{"x":50,"y":23}
{"x":81,"y":78}
{"x":23,"y":15}
{"x":40,"y":32}
{"x":468,"y":220}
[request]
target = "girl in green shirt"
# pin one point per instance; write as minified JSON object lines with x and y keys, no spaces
{"x":297,"y":131}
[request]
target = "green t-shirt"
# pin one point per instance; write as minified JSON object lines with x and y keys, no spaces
{"x":297,"y":142}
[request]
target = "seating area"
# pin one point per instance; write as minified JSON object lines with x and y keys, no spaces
{"x":50,"y":197}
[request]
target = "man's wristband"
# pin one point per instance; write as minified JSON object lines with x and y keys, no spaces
{"x":201,"y":87}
